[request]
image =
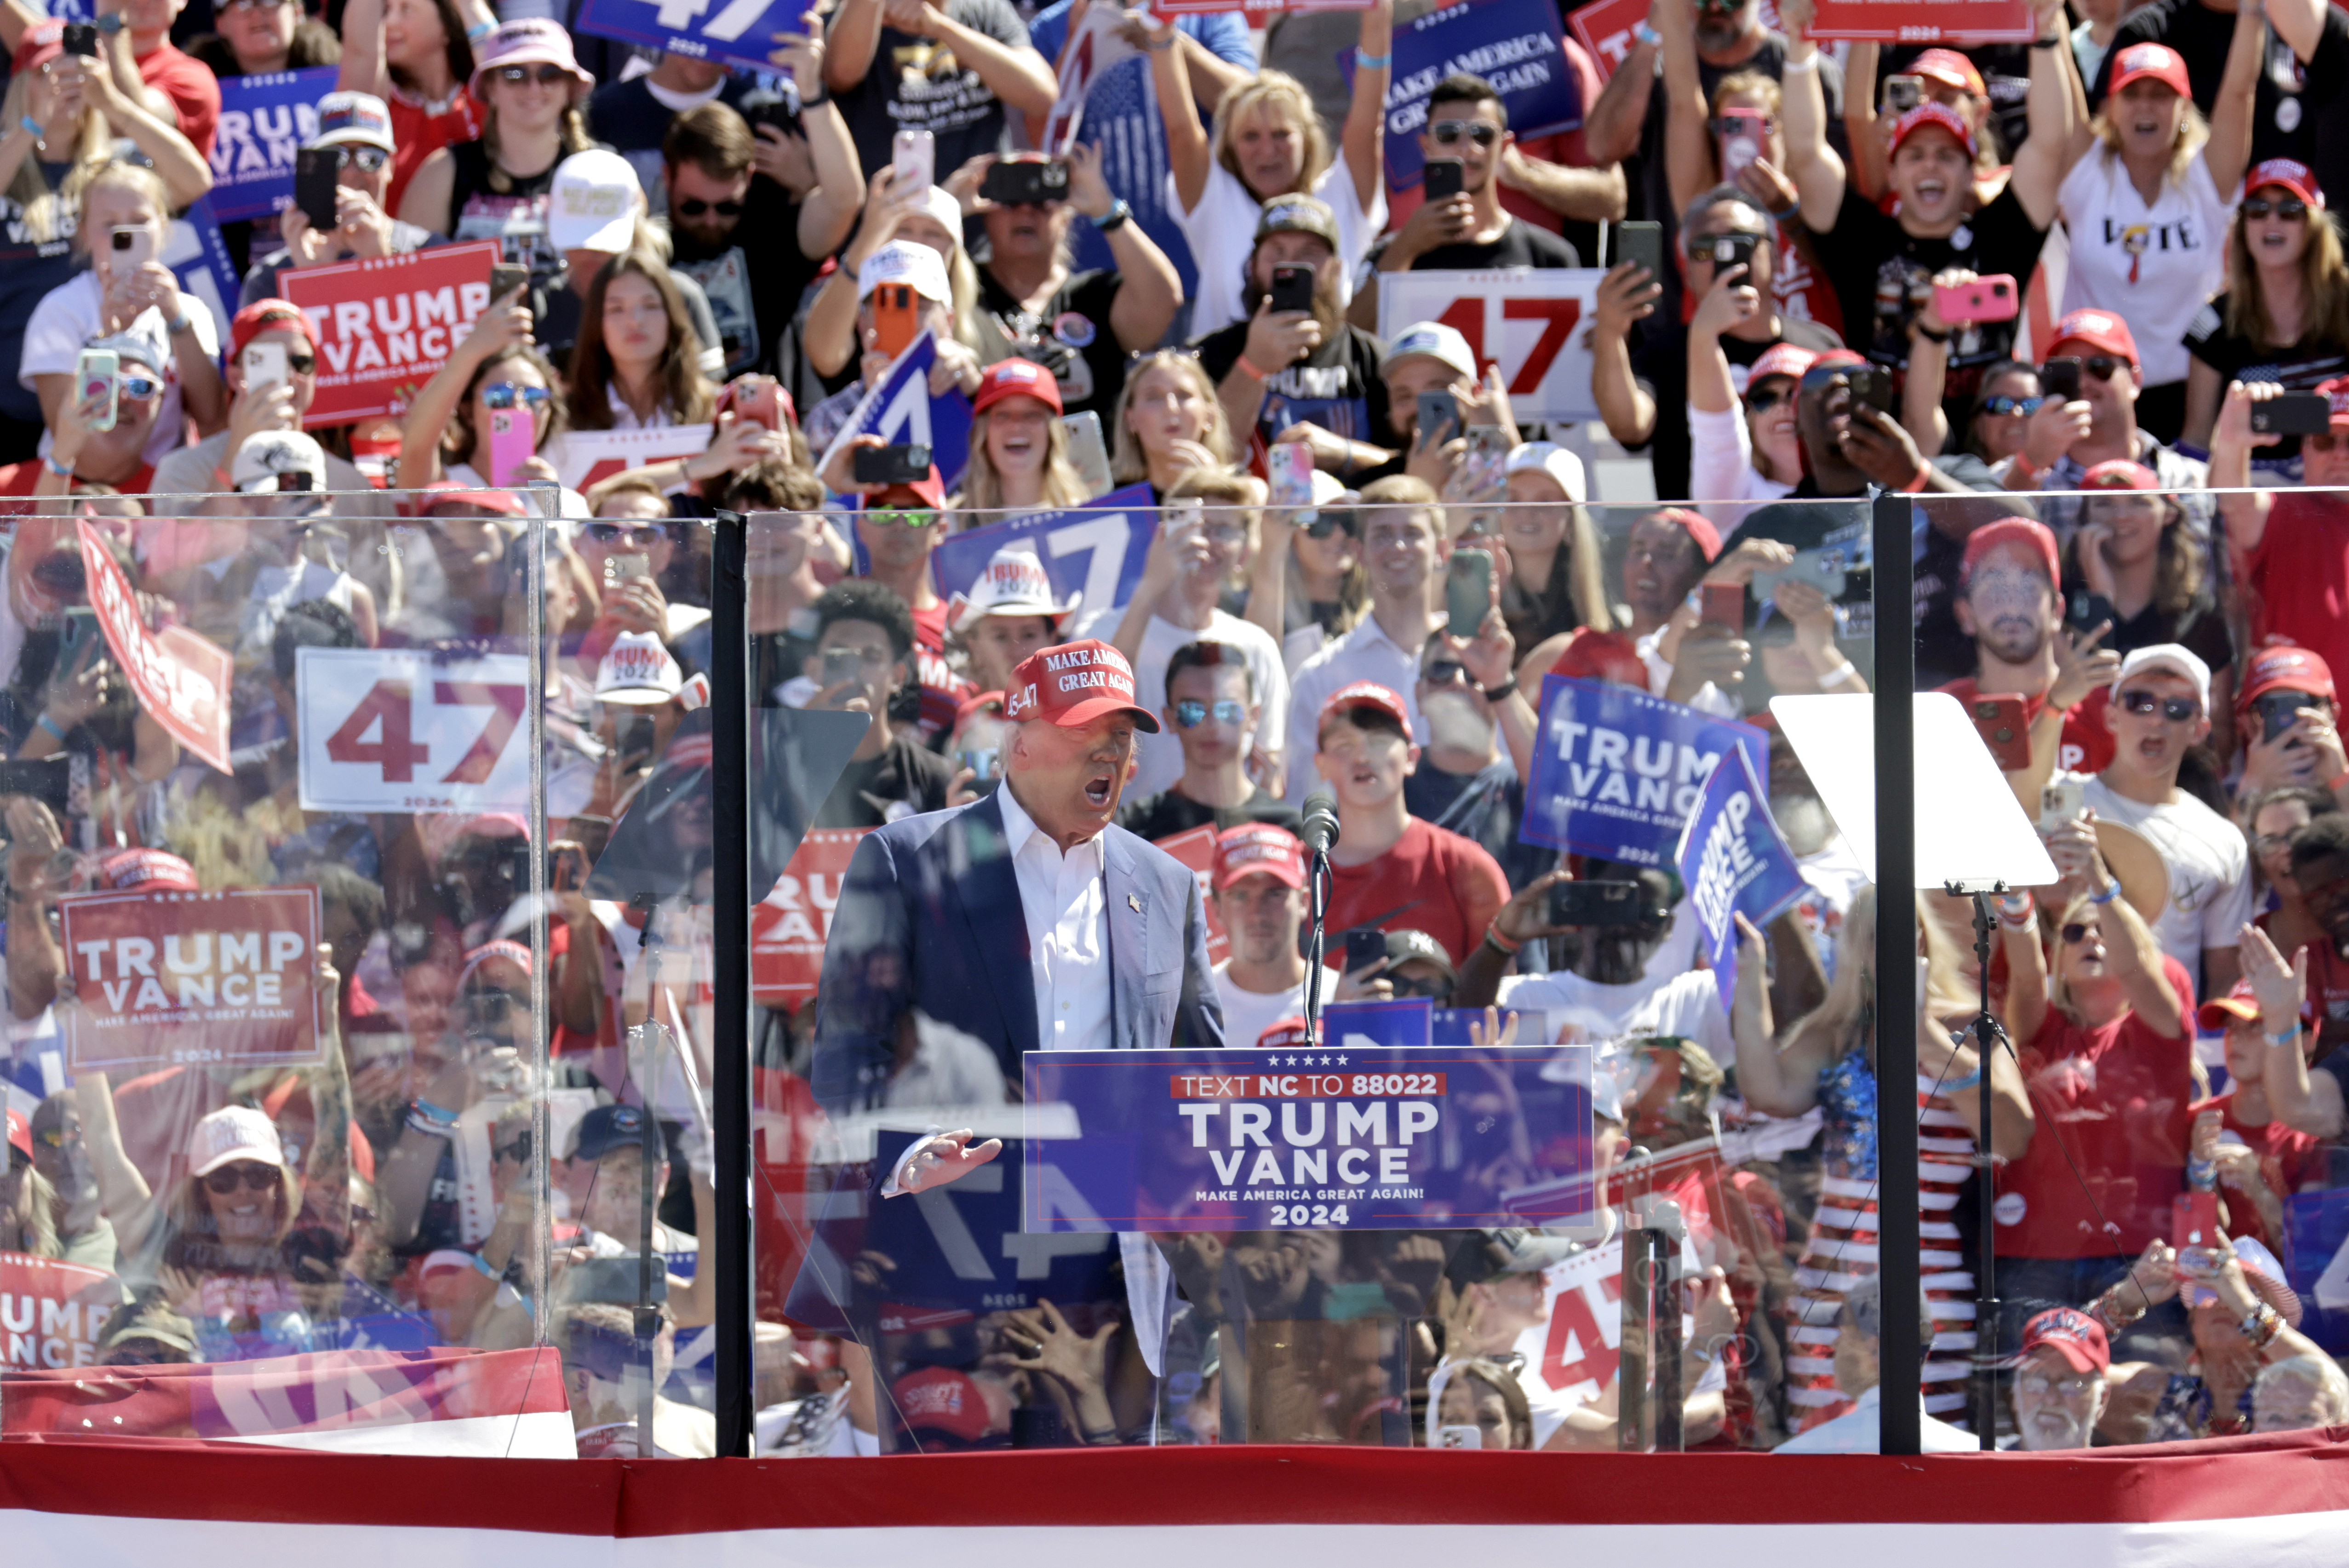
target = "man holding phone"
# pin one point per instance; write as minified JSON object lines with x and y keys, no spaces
{"x":1296,"y":360}
{"x":273,"y":375}
{"x":1462,"y":224}
{"x":863,"y":656}
{"x":354,"y":134}
{"x":2091,"y":362}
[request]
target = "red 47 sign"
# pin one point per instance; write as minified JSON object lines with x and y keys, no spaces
{"x":392,"y":730}
{"x":1529,"y":323}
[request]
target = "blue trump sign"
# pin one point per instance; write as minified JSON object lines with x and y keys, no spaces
{"x":1095,"y":550}
{"x":1734,"y":862}
{"x":902,"y":412}
{"x":1517,"y":48}
{"x":739,"y":31}
{"x":1324,"y":1138}
{"x":1617,"y":772}
{"x":263,"y":122}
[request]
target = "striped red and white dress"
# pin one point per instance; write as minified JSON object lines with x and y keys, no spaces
{"x":1842,"y":1247}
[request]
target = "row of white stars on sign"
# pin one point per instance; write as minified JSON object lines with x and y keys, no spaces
{"x":1303,"y":1061}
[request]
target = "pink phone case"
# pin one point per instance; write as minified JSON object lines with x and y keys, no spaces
{"x":513,"y":441}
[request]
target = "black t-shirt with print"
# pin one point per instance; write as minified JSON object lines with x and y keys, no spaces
{"x":752,"y":300}
{"x":1661,"y":366}
{"x":917,"y":84}
{"x":905,"y":774}
{"x":2299,"y":110}
{"x":1337,"y":386}
{"x":2299,"y":368}
{"x":1170,"y":811}
{"x":1883,"y":276}
{"x":1520,"y":245}
{"x":1071,"y":337}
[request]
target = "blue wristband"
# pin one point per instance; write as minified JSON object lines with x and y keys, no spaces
{"x":32,"y":126}
{"x":2287,"y":1037}
{"x":1363,"y":62}
{"x":2111,"y":893}
{"x":1971,"y":1081}
{"x":479,"y":31}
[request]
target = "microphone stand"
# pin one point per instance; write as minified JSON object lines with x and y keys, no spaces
{"x":1317,"y":898}
{"x":1988,"y":1035}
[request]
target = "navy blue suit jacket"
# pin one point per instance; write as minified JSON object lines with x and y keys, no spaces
{"x":929,"y":918}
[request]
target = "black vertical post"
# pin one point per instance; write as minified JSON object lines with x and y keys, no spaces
{"x":730,"y":1035}
{"x":1896,"y":962}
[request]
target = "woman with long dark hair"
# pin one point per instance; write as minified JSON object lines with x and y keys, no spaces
{"x":2284,"y":316}
{"x":636,"y":363}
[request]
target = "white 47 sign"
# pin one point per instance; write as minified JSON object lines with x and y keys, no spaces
{"x":1529,"y":322}
{"x":385,"y":729}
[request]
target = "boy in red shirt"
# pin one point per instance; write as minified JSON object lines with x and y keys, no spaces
{"x":2261,"y":1160}
{"x":1389,"y":868}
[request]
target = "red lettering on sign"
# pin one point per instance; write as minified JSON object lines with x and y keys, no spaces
{"x":506,"y":704}
{"x":1571,"y":1314}
{"x":396,"y":753}
{"x":1557,"y":316}
{"x":1467,"y":316}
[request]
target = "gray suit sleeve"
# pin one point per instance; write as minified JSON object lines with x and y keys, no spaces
{"x":1199,"y":1018}
{"x":866,"y":984}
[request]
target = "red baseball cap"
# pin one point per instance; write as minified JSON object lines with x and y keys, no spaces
{"x":1936,"y":117}
{"x":2159,"y":61}
{"x":1287,"y":1033}
{"x":1781,"y":359}
{"x":1595,"y":656}
{"x":2020,"y":531}
{"x":453,"y":492}
{"x":1950,"y":68}
{"x":2119,"y":473}
{"x":2284,"y":666}
{"x":941,"y":1399}
{"x":2240,"y":1006}
{"x":970,"y":707}
{"x":1363,"y":694}
{"x":930,"y":488}
{"x":2294,"y":177}
{"x":1016,"y":378}
{"x":270,"y":315}
{"x":1074,"y":685}
{"x":2098,"y":329}
{"x":42,"y":42}
{"x":2070,"y":1334}
{"x":1698,"y":527}
{"x":2337,"y":390}
{"x":1256,"y":848}
{"x":153,"y":870}
{"x":20,"y":1129}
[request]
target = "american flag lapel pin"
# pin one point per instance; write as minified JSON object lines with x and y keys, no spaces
{"x":1134,"y":903}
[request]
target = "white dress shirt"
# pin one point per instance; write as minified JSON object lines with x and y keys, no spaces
{"x":1066,"y":902}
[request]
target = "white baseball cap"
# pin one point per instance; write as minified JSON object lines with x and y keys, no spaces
{"x":2170,"y":657}
{"x":1550,"y":457}
{"x":233,"y":1132}
{"x":594,"y":203}
{"x":906,"y":262}
{"x":1436,"y":341}
{"x":1014,"y":584}
{"x":939,"y":202}
{"x":266,"y":454}
{"x":637,"y":672}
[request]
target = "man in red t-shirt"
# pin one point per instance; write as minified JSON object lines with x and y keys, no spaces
{"x":2262,"y":1162}
{"x":1389,"y":868}
{"x":2290,"y":546}
{"x":2008,"y":603}
{"x":152,"y":61}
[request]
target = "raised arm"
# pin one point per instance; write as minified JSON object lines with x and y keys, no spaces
{"x":436,"y":406}
{"x":2304,"y":1102}
{"x":1188,"y":155}
{"x":2229,"y":151}
{"x":852,"y":42}
{"x":1862,"y":132}
{"x":829,"y":210}
{"x":2027,"y":973}
{"x":2244,"y":511}
{"x":1689,"y":167}
{"x":186,"y":175}
{"x":2058,"y":137}
{"x":1816,"y":168}
{"x":1610,"y":132}
{"x":1364,"y":136}
{"x":127,"y":1203}
{"x":2134,"y":956}
{"x":1015,"y":73}
{"x":1150,"y":290}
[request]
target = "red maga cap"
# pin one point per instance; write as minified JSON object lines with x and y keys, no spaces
{"x":1287,"y":1033}
{"x":2295,"y":177}
{"x":1950,"y":68}
{"x":1016,"y":378}
{"x":1936,"y":116}
{"x":1074,"y":685}
{"x":154,"y":870}
{"x":270,"y":315}
{"x":2158,"y":61}
{"x":1256,"y":848}
{"x":941,"y":1399}
{"x":2284,"y":667}
{"x":20,"y":1129}
{"x":2020,"y":531}
{"x":1699,"y":527}
{"x":2337,"y":391}
{"x":2119,"y":473}
{"x":1781,"y":359}
{"x":2098,"y":329}
{"x":2070,"y":1334}
{"x":1363,"y":694}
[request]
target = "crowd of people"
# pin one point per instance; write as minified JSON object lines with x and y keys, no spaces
{"x":2131,"y":566}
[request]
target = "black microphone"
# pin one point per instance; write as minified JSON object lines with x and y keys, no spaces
{"x":1321,"y":821}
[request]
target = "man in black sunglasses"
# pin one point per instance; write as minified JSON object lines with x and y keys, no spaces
{"x":2101,"y":344}
{"x":357,"y":128}
{"x":1467,"y":124}
{"x":1212,"y":709}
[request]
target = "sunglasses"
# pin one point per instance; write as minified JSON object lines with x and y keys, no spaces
{"x":2176,"y":709}
{"x":904,"y":517}
{"x":506,"y":394}
{"x":2291,"y":209}
{"x":1448,"y":132}
{"x":621,"y":533}
{"x":1819,"y":377}
{"x":2102,"y":365}
{"x":2003,"y":405}
{"x":1763,"y":398}
{"x":249,"y":1174}
{"x":517,"y":1149}
{"x":546,"y":74}
{"x":1739,"y":126}
{"x":694,"y":207}
{"x":140,"y":388}
{"x":1191,"y":715}
{"x":1444,"y":672}
{"x":2073,"y":933}
{"x":366,"y":159}
{"x":2271,"y":843}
